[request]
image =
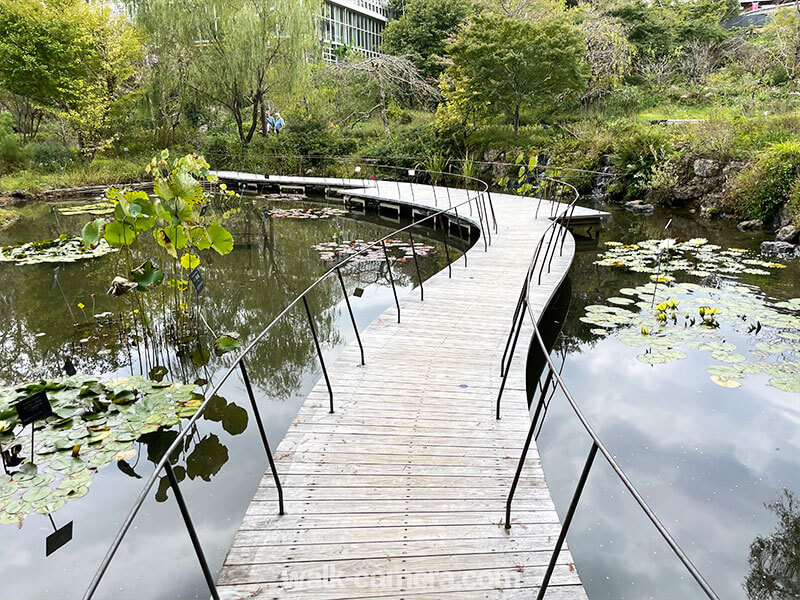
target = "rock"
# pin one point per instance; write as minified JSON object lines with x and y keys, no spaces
{"x":705,"y":167}
{"x":751,"y":225}
{"x":788,"y":233}
{"x":639,"y":207}
{"x":784,"y":249}
{"x":687,"y":192}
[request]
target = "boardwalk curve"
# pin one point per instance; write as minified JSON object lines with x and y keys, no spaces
{"x":401,"y":492}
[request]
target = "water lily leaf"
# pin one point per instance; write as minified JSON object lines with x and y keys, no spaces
{"x":787,"y":385}
{"x":772,"y":348}
{"x":652,"y":358}
{"x":726,"y":382}
{"x":727,"y":357}
{"x":234,"y":420}
{"x":120,"y":286}
{"x":158,"y":373}
{"x":92,"y":232}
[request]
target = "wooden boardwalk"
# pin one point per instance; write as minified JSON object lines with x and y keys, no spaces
{"x":401,"y":492}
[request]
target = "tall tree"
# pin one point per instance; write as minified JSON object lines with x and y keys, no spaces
{"x":423,"y":32}
{"x":516,"y":64}
{"x":239,"y":52}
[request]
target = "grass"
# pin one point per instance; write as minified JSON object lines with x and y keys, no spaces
{"x":102,"y":171}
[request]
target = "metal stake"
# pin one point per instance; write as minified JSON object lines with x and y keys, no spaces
{"x":510,"y":358}
{"x":446,"y":247}
{"x":190,"y":528}
{"x":319,"y":351}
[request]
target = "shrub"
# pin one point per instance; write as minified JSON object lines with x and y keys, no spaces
{"x":12,"y":154}
{"x":768,"y":183}
{"x":638,"y":148}
{"x":50,"y":155}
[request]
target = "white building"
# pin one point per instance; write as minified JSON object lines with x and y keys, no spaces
{"x":357,"y":24}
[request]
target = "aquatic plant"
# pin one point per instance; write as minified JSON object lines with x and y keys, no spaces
{"x":178,"y":217}
{"x":94,"y":424}
{"x":689,"y":315}
{"x":63,"y":249}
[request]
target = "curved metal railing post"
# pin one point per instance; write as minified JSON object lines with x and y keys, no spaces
{"x":187,"y":519}
{"x":262,"y":432}
{"x":416,"y":266}
{"x":391,"y":278}
{"x":319,"y":351}
{"x":573,"y":505}
{"x":350,"y":310}
{"x":446,"y":247}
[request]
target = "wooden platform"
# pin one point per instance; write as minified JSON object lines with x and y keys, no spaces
{"x":401,"y":492}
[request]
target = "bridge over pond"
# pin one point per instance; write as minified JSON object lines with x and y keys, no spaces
{"x":401,"y":492}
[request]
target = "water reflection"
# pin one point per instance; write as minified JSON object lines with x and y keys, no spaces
{"x":775,"y":559}
{"x":704,"y":457}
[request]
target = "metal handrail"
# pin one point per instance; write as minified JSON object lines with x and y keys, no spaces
{"x":422,"y":159}
{"x":164,"y":463}
{"x":597,"y":445}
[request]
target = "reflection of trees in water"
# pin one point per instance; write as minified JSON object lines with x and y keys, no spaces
{"x":244,"y":291}
{"x":775,"y":559}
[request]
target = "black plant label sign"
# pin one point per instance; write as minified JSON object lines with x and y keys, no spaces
{"x":358,"y":292}
{"x":196,"y":277}
{"x":34,"y":408}
{"x":58,"y":538}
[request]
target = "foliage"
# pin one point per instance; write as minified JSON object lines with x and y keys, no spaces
{"x":761,"y":189}
{"x":423,"y":31}
{"x":177,"y":218}
{"x":11,"y":152}
{"x":781,"y":41}
{"x":515,"y":64}
{"x":637,"y":151}
{"x":608,"y":52}
{"x":74,"y":58}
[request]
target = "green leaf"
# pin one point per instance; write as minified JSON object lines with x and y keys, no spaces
{"x":227,"y":342}
{"x":92,"y":232}
{"x":147,"y":276}
{"x":119,"y":234}
{"x":221,"y":239}
{"x":189,"y":261}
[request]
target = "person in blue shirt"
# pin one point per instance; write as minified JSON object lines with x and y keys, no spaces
{"x":279,"y":123}
{"x":270,"y":122}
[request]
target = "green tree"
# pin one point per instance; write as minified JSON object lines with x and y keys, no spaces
{"x":70,"y":57}
{"x":516,"y":65}
{"x":238,"y":53}
{"x":423,"y":31}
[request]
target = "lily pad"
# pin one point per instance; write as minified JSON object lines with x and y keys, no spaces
{"x":726,"y":382}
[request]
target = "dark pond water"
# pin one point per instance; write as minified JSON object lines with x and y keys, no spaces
{"x":244,"y":291}
{"x":708,"y":459}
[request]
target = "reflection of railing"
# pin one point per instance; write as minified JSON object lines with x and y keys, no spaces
{"x":524,"y":306}
{"x":481,"y":193}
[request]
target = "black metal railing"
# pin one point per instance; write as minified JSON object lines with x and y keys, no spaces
{"x":554,"y":377}
{"x":481,"y":194}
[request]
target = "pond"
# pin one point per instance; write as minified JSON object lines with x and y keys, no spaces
{"x":274,"y":259}
{"x":708,"y":452}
